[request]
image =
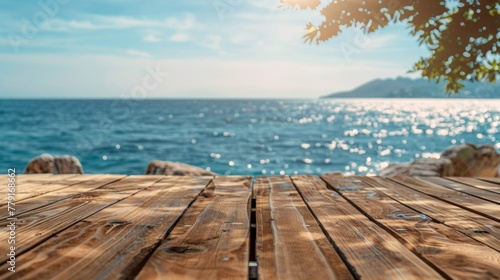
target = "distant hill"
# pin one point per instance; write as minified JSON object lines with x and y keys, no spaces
{"x":416,"y":88}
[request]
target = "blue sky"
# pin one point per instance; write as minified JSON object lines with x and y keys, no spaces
{"x":246,"y":49}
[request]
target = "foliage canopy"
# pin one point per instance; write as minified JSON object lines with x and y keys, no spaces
{"x":462,"y":35}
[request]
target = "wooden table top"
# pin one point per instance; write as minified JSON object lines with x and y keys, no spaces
{"x":299,"y":227}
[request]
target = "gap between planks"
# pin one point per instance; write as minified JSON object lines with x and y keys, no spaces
{"x":60,"y":191}
{"x":290,"y":243}
{"x":469,"y":223}
{"x":451,"y":252}
{"x":211,"y":240}
{"x":148,"y":255}
{"x":116,"y":241}
{"x":28,"y":186}
{"x":470,"y":203}
{"x":43,"y":223}
{"x":370,"y":249}
{"x":477,"y":183}
{"x":461,"y":185}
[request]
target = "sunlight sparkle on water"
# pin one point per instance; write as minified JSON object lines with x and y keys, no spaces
{"x":269,"y":136}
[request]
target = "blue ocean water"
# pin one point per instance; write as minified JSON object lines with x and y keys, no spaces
{"x":247,"y":137}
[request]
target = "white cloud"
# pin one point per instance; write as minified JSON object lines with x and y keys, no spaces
{"x":188,"y":22}
{"x":113,"y":22}
{"x":59,"y":25}
{"x":242,"y":38}
{"x":179,"y":37}
{"x":176,"y":37}
{"x":138,"y":53}
{"x":212,"y":42}
{"x":381,"y":41}
{"x":113,"y":76}
{"x":151,"y":38}
{"x":271,"y":5}
{"x":259,"y":55}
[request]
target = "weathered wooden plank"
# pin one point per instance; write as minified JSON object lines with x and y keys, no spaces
{"x":491,"y":179}
{"x":44,"y":178}
{"x":478,"y":227}
{"x":29,"y":176}
{"x":27,"y":188}
{"x":36,"y":226}
{"x":133,"y":183}
{"x":211,"y":241}
{"x":67,"y":178}
{"x":33,"y":188}
{"x":453,"y":253}
{"x":113,"y":243}
{"x":370,"y":249}
{"x":465,"y":201}
{"x":36,"y":178}
{"x":35,"y":199}
{"x":480,"y":184}
{"x":290,"y":243}
{"x":457,"y":186}
{"x":27,"y":181}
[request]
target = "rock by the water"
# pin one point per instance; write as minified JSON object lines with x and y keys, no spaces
{"x":157,"y":167}
{"x":471,"y":160}
{"x":466,"y":160}
{"x":46,"y":163}
{"x":420,"y":167}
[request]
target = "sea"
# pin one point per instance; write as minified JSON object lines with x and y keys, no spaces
{"x":243,"y":137}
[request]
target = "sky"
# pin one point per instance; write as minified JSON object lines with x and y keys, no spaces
{"x":187,"y":49}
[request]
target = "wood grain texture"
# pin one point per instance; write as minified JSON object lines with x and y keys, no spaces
{"x":478,"y":227}
{"x":38,"y":225}
{"x":28,"y":187}
{"x":36,"y":178}
{"x":491,"y":179}
{"x":26,"y":182}
{"x":156,"y":227}
{"x":211,"y":240}
{"x":453,"y":253}
{"x":465,"y":201}
{"x":464,"y":188}
{"x":113,"y":243}
{"x":370,"y":249}
{"x":290,"y":243}
{"x":480,"y":184}
{"x":57,"y":192}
